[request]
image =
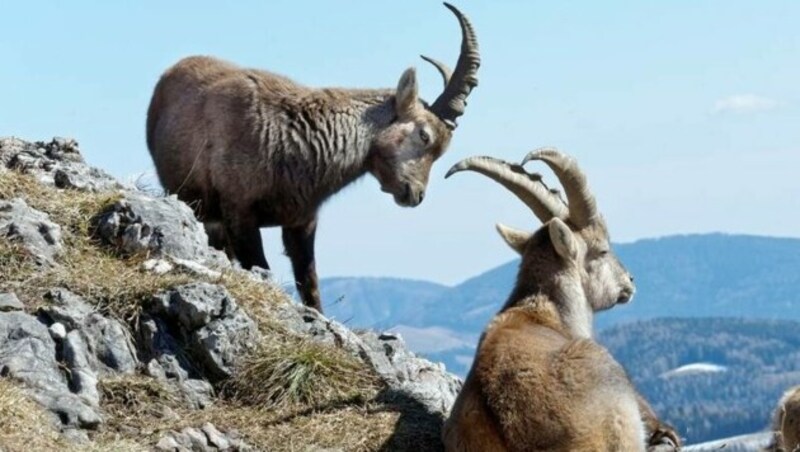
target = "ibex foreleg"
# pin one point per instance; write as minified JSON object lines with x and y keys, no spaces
{"x":299,"y":244}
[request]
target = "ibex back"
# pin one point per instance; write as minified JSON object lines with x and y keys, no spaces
{"x":248,"y":148}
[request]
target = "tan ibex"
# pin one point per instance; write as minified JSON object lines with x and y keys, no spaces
{"x":539,"y":382}
{"x":248,"y":148}
{"x":786,"y":423}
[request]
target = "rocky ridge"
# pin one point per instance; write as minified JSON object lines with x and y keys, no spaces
{"x":191,"y":337}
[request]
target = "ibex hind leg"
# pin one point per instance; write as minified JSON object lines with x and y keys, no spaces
{"x":217,"y":238}
{"x":299,"y":244}
{"x":244,"y":238}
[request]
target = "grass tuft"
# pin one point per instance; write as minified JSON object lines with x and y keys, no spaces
{"x":287,"y":372}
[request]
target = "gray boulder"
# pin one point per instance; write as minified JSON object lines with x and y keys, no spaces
{"x":31,"y":229}
{"x":56,"y":163}
{"x":9,"y":302}
{"x":209,"y":325}
{"x":160,"y":227}
{"x":167,"y":361}
{"x":104,"y":343}
{"x":193,"y":334}
{"x":204,"y":439}
{"x":28,"y":354}
{"x":404,"y":372}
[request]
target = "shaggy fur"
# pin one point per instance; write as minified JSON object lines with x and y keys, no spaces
{"x":248,"y":148}
{"x":539,"y":382}
{"x":786,"y":422}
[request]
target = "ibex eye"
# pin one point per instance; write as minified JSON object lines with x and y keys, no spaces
{"x":423,"y":135}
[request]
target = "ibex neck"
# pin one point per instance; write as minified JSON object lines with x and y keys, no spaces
{"x":340,"y":139}
{"x":575,"y":313}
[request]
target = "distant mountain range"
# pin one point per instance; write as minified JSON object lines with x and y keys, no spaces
{"x":705,"y":275}
{"x":701,"y":338}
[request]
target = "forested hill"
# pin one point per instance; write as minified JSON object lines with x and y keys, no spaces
{"x":710,"y":377}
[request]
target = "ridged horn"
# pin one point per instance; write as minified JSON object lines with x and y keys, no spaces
{"x":528,"y":187}
{"x":582,"y":204}
{"x":453,"y":100}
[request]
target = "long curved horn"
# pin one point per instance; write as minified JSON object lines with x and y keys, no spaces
{"x":582,"y":205}
{"x":453,"y":100}
{"x":528,"y":187}
{"x":441,"y":67}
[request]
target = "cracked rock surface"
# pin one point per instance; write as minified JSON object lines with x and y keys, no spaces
{"x":31,"y":229}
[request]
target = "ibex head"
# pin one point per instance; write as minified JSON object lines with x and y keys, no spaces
{"x":571,"y":253}
{"x":403,"y":153}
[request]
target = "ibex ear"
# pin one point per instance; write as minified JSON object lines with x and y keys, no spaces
{"x":563,"y":239}
{"x":515,"y":238}
{"x":407,"y":93}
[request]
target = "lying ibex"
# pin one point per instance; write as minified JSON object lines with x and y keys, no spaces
{"x":248,"y":148}
{"x":786,"y":423}
{"x":539,"y":381}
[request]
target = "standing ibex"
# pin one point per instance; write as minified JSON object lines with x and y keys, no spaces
{"x":248,"y":148}
{"x":539,"y":381}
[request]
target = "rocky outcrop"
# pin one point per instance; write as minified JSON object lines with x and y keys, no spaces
{"x":403,"y":371}
{"x":160,"y":227}
{"x":29,"y":354}
{"x":30,"y":229}
{"x":104,"y":344}
{"x":191,"y":336}
{"x":195,"y":334}
{"x":9,"y":302}
{"x":56,"y":163}
{"x":60,"y":353}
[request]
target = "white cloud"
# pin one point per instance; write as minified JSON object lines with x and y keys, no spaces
{"x":745,"y":103}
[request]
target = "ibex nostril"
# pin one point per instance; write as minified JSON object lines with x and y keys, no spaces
{"x":421,"y":195}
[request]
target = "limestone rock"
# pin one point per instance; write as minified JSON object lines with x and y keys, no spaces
{"x":10,"y":302}
{"x":107,"y":345}
{"x":209,"y":325}
{"x":403,"y":371}
{"x":160,"y":227}
{"x":28,"y":354}
{"x":193,"y":333}
{"x":56,"y":163}
{"x":31,"y":229}
{"x":204,"y":439}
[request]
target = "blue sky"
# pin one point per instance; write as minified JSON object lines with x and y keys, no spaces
{"x":684,"y":114}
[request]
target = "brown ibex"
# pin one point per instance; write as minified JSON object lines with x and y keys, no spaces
{"x":539,"y":381}
{"x":249,"y":149}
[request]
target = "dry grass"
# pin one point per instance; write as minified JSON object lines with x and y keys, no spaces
{"x":25,"y":425}
{"x":256,"y":298}
{"x":349,"y":429}
{"x":142,"y":408}
{"x":138,"y":401}
{"x":115,"y":284}
{"x":286,"y":372}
